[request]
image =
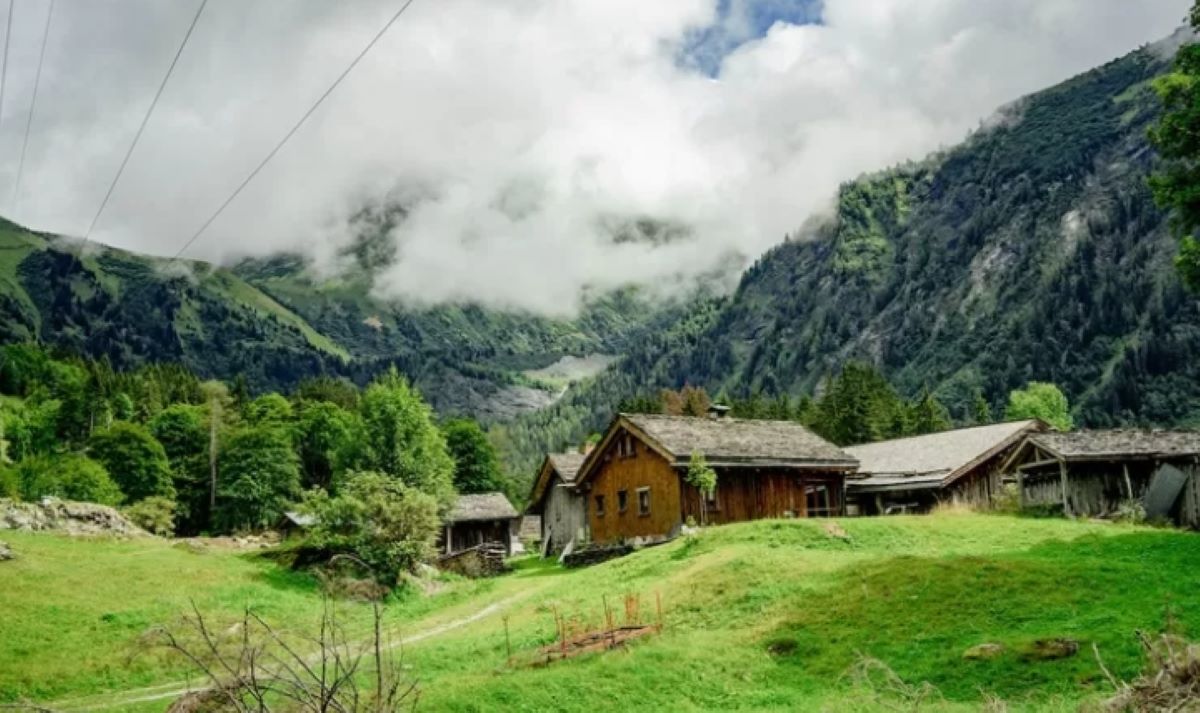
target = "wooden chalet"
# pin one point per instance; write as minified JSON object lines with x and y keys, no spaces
{"x":635,"y":491}
{"x":476,"y":520}
{"x":561,"y":507}
{"x":1096,"y":473}
{"x":914,"y":474}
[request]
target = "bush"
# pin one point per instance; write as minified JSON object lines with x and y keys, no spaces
{"x":135,"y":459}
{"x":379,"y":520}
{"x":155,"y":514}
{"x":10,"y":485}
{"x":70,"y":476}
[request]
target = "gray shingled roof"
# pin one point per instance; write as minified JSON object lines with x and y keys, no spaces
{"x":485,"y":506}
{"x":1120,"y":443}
{"x":566,"y":464}
{"x":730,"y":441}
{"x":934,"y":459}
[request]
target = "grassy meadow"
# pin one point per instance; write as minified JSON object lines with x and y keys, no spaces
{"x":768,"y":615}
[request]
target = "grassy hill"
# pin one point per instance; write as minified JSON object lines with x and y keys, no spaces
{"x":767,"y":615}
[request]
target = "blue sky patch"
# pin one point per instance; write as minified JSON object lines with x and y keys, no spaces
{"x":738,"y":22}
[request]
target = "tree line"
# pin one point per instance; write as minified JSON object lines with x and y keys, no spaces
{"x":185,"y":456}
{"x":859,"y":405}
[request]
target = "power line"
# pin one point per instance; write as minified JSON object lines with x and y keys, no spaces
{"x":4,"y":67}
{"x":37,"y":80}
{"x":293,"y":130}
{"x":145,"y":120}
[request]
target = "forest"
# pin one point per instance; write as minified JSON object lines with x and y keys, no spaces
{"x":184,"y":456}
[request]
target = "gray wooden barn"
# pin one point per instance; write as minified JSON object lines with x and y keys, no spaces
{"x":1097,"y":473}
{"x":914,"y":474}
{"x":554,"y":498}
{"x":477,"y":520}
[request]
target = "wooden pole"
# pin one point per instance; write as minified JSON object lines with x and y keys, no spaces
{"x":507,"y":641}
{"x":658,"y":605}
{"x":1062,"y":472}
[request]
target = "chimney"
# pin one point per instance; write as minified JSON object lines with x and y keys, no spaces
{"x":718,"y":411}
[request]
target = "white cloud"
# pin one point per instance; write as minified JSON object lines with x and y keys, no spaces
{"x":524,"y":127}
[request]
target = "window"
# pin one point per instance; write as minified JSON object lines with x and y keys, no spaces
{"x":643,"y":501}
{"x":622,"y":500}
{"x":600,"y":505}
{"x":626,"y":447}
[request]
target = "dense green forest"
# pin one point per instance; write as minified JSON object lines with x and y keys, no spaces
{"x":1033,"y":251}
{"x":185,"y":456}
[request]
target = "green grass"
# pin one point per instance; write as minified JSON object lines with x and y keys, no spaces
{"x":766,"y":615}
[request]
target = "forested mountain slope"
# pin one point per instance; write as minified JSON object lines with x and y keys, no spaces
{"x":1031,"y":251}
{"x":272,"y":323}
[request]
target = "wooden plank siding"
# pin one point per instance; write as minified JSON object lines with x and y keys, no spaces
{"x":753,"y":493}
{"x":563,"y":516}
{"x":465,"y":535}
{"x":623,"y":472}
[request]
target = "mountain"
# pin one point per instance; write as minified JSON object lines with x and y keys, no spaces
{"x":1032,"y":251}
{"x":274,"y":324}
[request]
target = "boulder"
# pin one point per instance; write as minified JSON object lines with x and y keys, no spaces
{"x":54,"y":515}
{"x":1050,"y":649}
{"x":6,"y":552}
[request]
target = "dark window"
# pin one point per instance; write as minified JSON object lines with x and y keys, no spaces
{"x":643,"y":501}
{"x":600,"y":505}
{"x":622,"y":500}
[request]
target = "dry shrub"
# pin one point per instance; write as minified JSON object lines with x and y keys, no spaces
{"x":1170,"y":682}
{"x":887,"y":688}
{"x":952,"y":507}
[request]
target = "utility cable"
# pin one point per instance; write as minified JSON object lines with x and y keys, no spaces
{"x":145,"y":120}
{"x":37,"y":80}
{"x":262,"y":164}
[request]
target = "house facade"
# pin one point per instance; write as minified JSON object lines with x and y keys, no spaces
{"x":634,"y":487}
{"x":914,"y":474}
{"x":561,"y":507}
{"x":1097,"y":473}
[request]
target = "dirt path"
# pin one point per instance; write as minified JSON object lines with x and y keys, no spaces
{"x":167,"y":691}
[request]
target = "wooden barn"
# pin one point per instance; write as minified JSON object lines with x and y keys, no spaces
{"x":635,"y":491}
{"x":479,"y":519}
{"x":554,"y":497}
{"x":914,"y":474}
{"x":1097,"y":473}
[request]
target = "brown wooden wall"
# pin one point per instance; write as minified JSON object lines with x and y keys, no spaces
{"x":465,"y":535}
{"x":754,"y":494}
{"x":1097,"y":488}
{"x":646,"y":468}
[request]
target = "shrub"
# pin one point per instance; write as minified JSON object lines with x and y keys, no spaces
{"x":154,"y":514}
{"x":379,"y":520}
{"x":10,"y":485}
{"x":69,"y":476}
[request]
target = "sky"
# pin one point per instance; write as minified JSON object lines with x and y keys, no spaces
{"x":519,"y":134}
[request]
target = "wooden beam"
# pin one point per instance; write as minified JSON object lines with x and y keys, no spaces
{"x":1062,"y":471}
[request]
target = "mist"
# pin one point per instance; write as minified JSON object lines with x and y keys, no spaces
{"x":516,"y":134}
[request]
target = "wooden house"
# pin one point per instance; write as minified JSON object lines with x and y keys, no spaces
{"x":1096,"y":473}
{"x":554,"y":497}
{"x":914,"y":474}
{"x":479,"y":519}
{"x":634,"y":480}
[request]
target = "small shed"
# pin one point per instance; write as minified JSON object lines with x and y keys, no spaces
{"x":294,"y":523}
{"x":562,"y":509}
{"x":913,"y":474}
{"x":1096,"y":473}
{"x":479,"y":519}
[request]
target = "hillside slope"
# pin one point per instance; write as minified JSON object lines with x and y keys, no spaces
{"x":767,"y":615}
{"x":272,"y":323}
{"x":1031,"y":251}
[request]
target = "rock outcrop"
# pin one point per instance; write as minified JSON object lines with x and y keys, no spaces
{"x":54,"y":515}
